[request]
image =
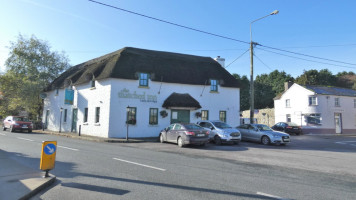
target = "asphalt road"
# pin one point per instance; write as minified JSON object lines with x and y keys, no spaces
{"x":309,"y":168}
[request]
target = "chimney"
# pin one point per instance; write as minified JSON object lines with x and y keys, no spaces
{"x":221,"y":61}
{"x":287,"y":85}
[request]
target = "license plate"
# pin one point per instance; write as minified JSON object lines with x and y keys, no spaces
{"x":295,"y":128}
{"x":286,"y":140}
{"x":24,"y":126}
{"x":201,"y":135}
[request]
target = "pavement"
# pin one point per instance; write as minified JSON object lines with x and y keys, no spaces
{"x":17,"y":181}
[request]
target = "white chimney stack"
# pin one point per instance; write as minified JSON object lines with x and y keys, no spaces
{"x":221,"y":61}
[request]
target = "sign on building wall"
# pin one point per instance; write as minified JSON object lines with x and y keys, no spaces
{"x":69,"y":96}
{"x":125,"y":93}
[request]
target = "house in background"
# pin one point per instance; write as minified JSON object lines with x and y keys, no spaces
{"x":146,"y":89}
{"x":318,"y":109}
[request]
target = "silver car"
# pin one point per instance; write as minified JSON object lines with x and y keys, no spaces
{"x":221,"y":132}
{"x":262,"y":133}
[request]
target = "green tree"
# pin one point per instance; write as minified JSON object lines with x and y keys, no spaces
{"x":315,"y":77}
{"x":30,"y":67}
{"x":244,"y":91}
{"x":268,"y":86}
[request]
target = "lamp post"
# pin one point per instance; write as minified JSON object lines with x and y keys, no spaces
{"x":252,"y":90}
{"x":60,"y":120}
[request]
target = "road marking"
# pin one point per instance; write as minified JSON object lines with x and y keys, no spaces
{"x":270,"y":195}
{"x":25,"y":139}
{"x":139,"y":164}
{"x":346,"y":142}
{"x":68,"y":148}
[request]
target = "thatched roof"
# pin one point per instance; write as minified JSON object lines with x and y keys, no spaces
{"x":167,"y":67}
{"x":181,"y":100}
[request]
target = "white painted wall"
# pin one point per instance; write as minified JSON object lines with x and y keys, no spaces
{"x":299,"y":103}
{"x":113,"y":108}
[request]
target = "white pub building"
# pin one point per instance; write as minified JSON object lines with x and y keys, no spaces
{"x":142,"y":91}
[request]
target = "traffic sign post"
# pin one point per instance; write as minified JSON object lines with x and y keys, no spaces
{"x":48,"y":156}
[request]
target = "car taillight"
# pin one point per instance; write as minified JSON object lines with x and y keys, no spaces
{"x":207,"y":132}
{"x":289,"y":127}
{"x":189,"y":133}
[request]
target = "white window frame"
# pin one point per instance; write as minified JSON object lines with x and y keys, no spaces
{"x":337,"y":102}
{"x":287,"y":103}
{"x":313,"y":100}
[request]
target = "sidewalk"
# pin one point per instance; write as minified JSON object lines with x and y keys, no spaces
{"x":98,"y":139}
{"x":18,"y":181}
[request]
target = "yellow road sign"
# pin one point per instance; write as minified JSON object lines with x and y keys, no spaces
{"x":48,"y":155}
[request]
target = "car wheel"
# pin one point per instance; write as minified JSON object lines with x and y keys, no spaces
{"x":180,"y":142}
{"x":217,"y":140}
{"x":202,"y":145}
{"x":3,"y":128}
{"x":265,"y":140}
{"x":12,"y":129}
{"x":161,"y":138}
{"x":30,"y":130}
{"x":236,"y":143}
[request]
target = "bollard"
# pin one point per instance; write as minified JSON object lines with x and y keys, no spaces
{"x":80,"y":128}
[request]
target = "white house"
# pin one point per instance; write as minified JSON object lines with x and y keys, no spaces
{"x":318,"y":109}
{"x":148,"y":89}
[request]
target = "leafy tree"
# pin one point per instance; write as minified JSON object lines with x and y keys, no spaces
{"x":31,"y":66}
{"x":346,"y":80}
{"x":268,"y":86}
{"x":244,"y":91}
{"x":315,"y":77}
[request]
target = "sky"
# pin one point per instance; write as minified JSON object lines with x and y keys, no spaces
{"x":85,"y":30}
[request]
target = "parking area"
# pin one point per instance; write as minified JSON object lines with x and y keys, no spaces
{"x":332,"y":153}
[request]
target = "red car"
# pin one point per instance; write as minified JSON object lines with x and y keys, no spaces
{"x":17,"y":123}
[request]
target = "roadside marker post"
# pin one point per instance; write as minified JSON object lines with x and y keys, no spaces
{"x":48,"y":156}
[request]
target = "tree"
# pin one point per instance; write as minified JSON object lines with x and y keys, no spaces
{"x":268,"y":86}
{"x":30,"y":67}
{"x":244,"y":91}
{"x":313,"y":77}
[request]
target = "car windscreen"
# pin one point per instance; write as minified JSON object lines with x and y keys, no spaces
{"x":21,"y":119}
{"x":192,"y":127}
{"x":262,"y":127}
{"x":292,"y":124}
{"x":221,"y":125}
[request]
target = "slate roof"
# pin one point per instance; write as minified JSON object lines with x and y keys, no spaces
{"x":331,"y":90}
{"x":162,"y":66}
{"x":180,"y":100}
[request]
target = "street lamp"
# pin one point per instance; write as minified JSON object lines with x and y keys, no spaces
{"x":60,"y":120}
{"x":252,"y":90}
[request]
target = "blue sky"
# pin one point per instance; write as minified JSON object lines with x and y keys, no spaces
{"x":86,"y":30}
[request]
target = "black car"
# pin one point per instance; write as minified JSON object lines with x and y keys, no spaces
{"x":184,"y":134}
{"x":288,"y":127}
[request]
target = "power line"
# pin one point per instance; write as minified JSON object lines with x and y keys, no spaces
{"x":225,"y":37}
{"x":301,"y":54}
{"x":307,"y":59}
{"x":319,"y":46}
{"x":237,"y":58}
{"x":263,"y":62}
{"x":167,"y":22}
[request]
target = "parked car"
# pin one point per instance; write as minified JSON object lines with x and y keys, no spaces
{"x":288,"y":127}
{"x":17,"y":123}
{"x":221,"y":132}
{"x":263,"y":134}
{"x":184,"y":134}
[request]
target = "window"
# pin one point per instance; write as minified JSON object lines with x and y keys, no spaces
{"x":204,"y":115}
{"x":314,"y":119}
{"x":312,"y":101}
{"x":97,"y":114}
{"x":143,"y":79}
{"x":222,"y":116}
{"x":287,"y":103}
{"x":214,"y":85}
{"x":337,"y":102}
{"x":85,"y":115}
{"x":65,"y":116}
{"x":153,"y":116}
{"x":288,"y":118}
{"x":131,"y":115}
{"x":92,"y":83}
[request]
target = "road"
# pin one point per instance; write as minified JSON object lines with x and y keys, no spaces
{"x":92,"y":170}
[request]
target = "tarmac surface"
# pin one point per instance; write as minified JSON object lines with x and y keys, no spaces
{"x":18,"y":181}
